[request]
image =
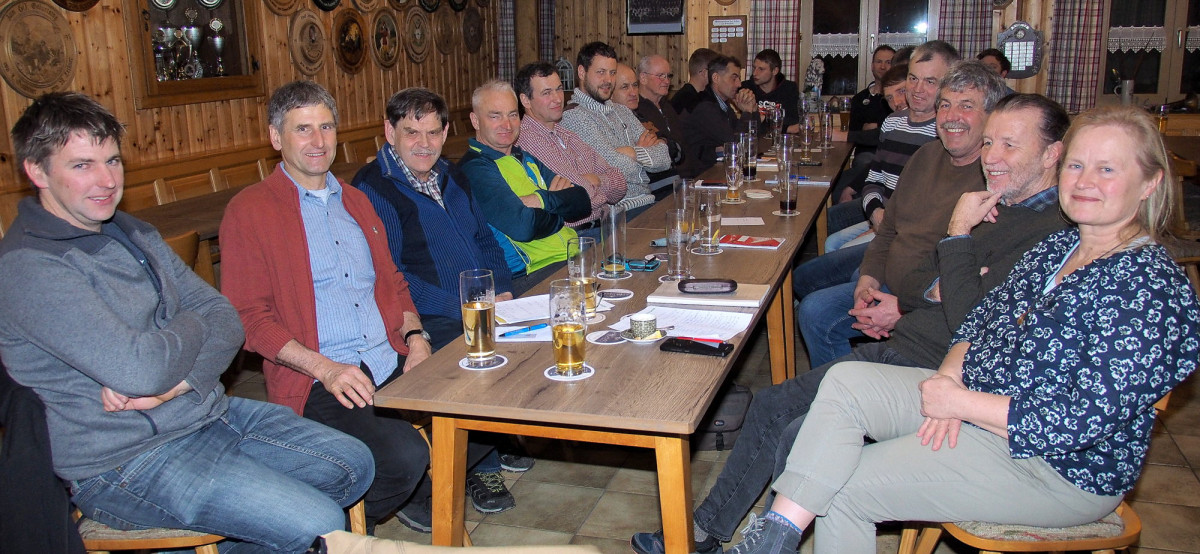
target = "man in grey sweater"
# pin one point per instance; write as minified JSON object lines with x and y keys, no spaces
{"x":125,"y":345}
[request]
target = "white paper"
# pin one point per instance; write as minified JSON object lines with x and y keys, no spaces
{"x":768,"y":166}
{"x":808,"y":183}
{"x":707,"y":324}
{"x":537,"y":335}
{"x":731,"y":221}
{"x":532,"y":308}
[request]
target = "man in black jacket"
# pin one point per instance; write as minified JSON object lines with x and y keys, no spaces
{"x":714,"y":121}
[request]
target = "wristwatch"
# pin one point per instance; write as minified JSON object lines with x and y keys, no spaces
{"x":421,"y":332}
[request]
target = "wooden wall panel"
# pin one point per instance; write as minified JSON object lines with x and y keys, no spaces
{"x":183,"y":132}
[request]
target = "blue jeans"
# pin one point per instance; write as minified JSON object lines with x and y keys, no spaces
{"x":260,"y":475}
{"x":850,"y":236}
{"x":767,"y":436}
{"x":827,"y":270}
{"x":840,"y":216}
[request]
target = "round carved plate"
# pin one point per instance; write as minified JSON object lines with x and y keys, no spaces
{"x":37,"y":53}
{"x":306,"y":40}
{"x":472,"y":29}
{"x":445,"y":30}
{"x":327,"y":5}
{"x":397,"y":4}
{"x":76,"y":5}
{"x":430,"y":5}
{"x":483,"y":3}
{"x":385,"y":38}
{"x":367,"y":6}
{"x":210,"y":4}
{"x":163,"y":4}
{"x":282,"y":7}
{"x":350,"y":50}
{"x":458,"y":5}
{"x":416,"y":27}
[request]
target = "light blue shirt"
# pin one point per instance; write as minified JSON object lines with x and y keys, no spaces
{"x":350,"y":329}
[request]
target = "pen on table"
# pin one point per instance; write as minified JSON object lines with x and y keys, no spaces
{"x":698,"y":339}
{"x":525,"y":329}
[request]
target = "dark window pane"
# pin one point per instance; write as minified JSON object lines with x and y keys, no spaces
{"x":903,"y":16}
{"x":1145,"y":63}
{"x":835,"y":16}
{"x":1193,"y":13}
{"x":1138,"y":13}
{"x":1191,"y":73}
{"x":841,"y":75}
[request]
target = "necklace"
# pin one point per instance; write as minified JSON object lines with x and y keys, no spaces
{"x":1123,"y":242}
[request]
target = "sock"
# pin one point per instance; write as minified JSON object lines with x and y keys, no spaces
{"x":700,"y":534}
{"x":777,"y":518}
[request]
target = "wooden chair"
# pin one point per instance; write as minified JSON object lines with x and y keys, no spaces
{"x":1032,"y":539}
{"x":1184,"y":169}
{"x":187,"y":246}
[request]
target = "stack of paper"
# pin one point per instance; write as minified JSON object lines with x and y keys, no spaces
{"x":694,"y":323}
{"x":747,"y":241}
{"x":746,"y":296}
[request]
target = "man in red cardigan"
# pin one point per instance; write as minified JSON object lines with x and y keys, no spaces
{"x":306,"y":263}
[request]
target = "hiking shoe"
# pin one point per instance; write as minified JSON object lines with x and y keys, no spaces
{"x":488,"y":493}
{"x":417,"y":514}
{"x":516,"y":463}
{"x":652,"y":543}
{"x":770,"y":534}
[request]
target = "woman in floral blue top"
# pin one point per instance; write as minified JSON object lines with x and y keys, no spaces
{"x":1055,"y":374}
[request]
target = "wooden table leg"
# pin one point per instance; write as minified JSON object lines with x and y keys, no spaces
{"x":675,"y":492}
{"x":789,"y":326}
{"x":775,"y":340}
{"x":204,"y":263}
{"x":449,"y":461}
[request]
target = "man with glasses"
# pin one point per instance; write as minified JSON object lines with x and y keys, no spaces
{"x":654,"y":76}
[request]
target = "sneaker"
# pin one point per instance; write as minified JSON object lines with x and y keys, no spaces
{"x":770,"y":534}
{"x":652,"y":543}
{"x":488,"y":493}
{"x":417,"y":514}
{"x":516,"y":463}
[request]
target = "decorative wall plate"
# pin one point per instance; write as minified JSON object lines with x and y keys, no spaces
{"x":307,"y":42}
{"x":385,"y":38}
{"x":445,"y":30}
{"x":350,"y":48}
{"x":367,"y":6}
{"x":327,"y":5}
{"x":76,"y":5}
{"x":472,"y":29}
{"x":430,"y":5}
{"x":483,"y":3}
{"x":37,"y":53}
{"x":163,"y":4}
{"x":416,"y":27}
{"x":397,"y":4}
{"x":282,"y":7}
{"x":210,"y":4}
{"x":458,"y":5}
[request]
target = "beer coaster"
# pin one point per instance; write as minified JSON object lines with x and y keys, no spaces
{"x":758,"y":194}
{"x":733,"y":201}
{"x":615,"y":294}
{"x":781,"y":214}
{"x":605,"y":337}
{"x":498,"y":361}
{"x":615,"y":277}
{"x":672,"y":278}
{"x":551,"y":373}
{"x":701,"y":252}
{"x":596,"y":318}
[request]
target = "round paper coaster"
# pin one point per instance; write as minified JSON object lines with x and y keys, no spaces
{"x":551,"y":373}
{"x":781,"y":214}
{"x":596,"y":318}
{"x":615,"y":294}
{"x":699,"y":252}
{"x":498,"y":361}
{"x":758,"y":194}
{"x":671,"y":278}
{"x":615,"y":277}
{"x":733,"y":201}
{"x":605,"y":337}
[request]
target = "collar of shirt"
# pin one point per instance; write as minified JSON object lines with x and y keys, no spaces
{"x":332,"y":186}
{"x":533,"y":128}
{"x":1041,"y":200}
{"x":585,"y":100}
{"x":393,"y":166}
{"x":723,"y":104}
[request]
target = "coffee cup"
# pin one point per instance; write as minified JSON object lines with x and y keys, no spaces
{"x":643,"y":325}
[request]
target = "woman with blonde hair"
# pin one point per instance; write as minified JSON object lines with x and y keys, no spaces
{"x":1054,"y":374}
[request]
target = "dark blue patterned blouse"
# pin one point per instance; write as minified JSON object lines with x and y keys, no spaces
{"x":1085,"y":362}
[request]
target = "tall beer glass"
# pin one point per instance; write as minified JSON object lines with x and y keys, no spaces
{"x":581,"y":267}
{"x":679,"y":235}
{"x":733,"y":175}
{"x":613,"y":242}
{"x":477,"y":293}
{"x":568,"y":324}
{"x":707,"y":220}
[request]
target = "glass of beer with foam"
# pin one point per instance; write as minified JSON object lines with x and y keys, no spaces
{"x":477,"y":293}
{"x":568,"y":324}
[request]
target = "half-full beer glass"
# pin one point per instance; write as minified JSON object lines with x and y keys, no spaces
{"x":612,"y":243}
{"x":581,"y":267}
{"x":733,"y":175}
{"x":477,"y":293}
{"x":568,"y":324}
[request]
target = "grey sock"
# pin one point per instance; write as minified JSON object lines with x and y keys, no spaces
{"x":700,"y":534}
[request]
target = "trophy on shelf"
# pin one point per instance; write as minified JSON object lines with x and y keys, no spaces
{"x":218,"y":44}
{"x":189,"y":66}
{"x":162,"y":38}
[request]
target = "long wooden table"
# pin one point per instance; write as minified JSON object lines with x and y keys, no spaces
{"x":202,"y":214}
{"x":639,"y":396}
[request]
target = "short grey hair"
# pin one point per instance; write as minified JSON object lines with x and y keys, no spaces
{"x":496,"y":85}
{"x":972,"y":74}
{"x":298,"y":94}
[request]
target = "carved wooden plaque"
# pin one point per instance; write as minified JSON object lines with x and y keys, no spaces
{"x":385,"y":38}
{"x":349,"y":30}
{"x":416,"y":26}
{"x":472,"y":29}
{"x":37,"y":53}
{"x":282,"y":7}
{"x":307,"y":42}
{"x":76,"y":5}
{"x":367,"y":6}
{"x":445,"y":29}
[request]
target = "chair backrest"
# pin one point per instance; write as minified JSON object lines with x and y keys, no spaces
{"x":187,"y":246}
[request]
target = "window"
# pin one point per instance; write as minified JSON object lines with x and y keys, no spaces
{"x":835,"y":27}
{"x":1157,"y":44}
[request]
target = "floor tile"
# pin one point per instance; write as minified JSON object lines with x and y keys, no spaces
{"x":1167,"y":485}
{"x":607,"y":546}
{"x":548,"y":506}
{"x":575,"y":474}
{"x":1183,"y":421}
{"x":1169,"y":527}
{"x":1164,"y":451}
{"x":620,"y":515}
{"x":488,"y":534}
{"x":1190,"y":447}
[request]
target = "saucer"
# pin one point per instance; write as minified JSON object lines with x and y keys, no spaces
{"x":628,"y":335}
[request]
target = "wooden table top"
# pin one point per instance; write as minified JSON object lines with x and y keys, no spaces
{"x":202,"y":214}
{"x":1185,"y":147}
{"x":636,"y":387}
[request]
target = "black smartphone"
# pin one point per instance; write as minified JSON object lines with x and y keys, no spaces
{"x":676,"y":344}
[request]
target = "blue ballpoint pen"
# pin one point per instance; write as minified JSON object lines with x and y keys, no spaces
{"x":525,"y":329}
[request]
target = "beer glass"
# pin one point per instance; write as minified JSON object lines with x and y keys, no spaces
{"x":679,"y":236}
{"x":682,"y":191}
{"x":477,"y":293}
{"x":613,"y":243}
{"x":787,"y":142}
{"x":778,"y":130}
{"x":748,"y":154}
{"x":568,"y":324}
{"x":733,"y":175}
{"x":581,"y":267}
{"x":806,"y":135}
{"x":787,"y":193}
{"x":707,"y":221}
{"x":827,"y":130}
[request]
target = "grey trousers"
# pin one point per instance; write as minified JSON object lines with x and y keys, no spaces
{"x":851,"y":486}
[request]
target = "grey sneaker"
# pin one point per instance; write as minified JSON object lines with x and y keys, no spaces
{"x":488,"y":493}
{"x":652,"y":543}
{"x":417,"y":514}
{"x":770,"y":534}
{"x":516,"y":463}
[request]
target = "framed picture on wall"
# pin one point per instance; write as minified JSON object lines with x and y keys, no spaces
{"x":654,"y":17}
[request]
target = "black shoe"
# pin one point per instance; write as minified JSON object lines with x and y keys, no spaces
{"x":652,"y":543}
{"x":488,"y":493}
{"x":516,"y":463}
{"x":417,"y":514}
